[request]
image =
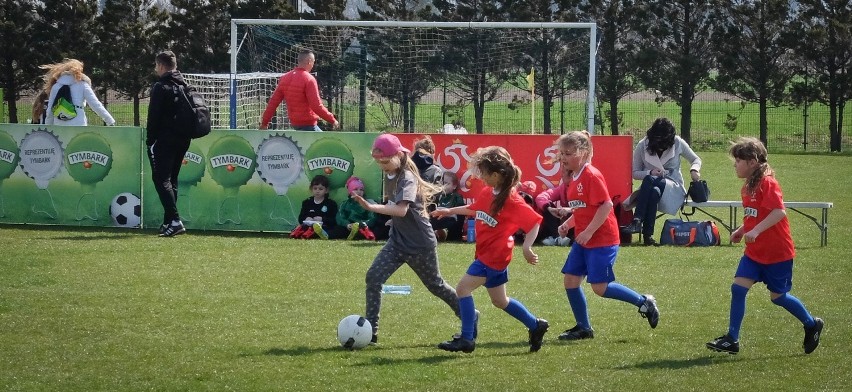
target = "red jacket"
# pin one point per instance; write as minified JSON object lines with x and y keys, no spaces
{"x":304,"y":107}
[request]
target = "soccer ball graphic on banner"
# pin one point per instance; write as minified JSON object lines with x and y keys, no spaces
{"x":354,"y":332}
{"x":126,"y":210}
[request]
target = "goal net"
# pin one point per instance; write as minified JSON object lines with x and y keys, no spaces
{"x":252,"y":91}
{"x":426,"y":77}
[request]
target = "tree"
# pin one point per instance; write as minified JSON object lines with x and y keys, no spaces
{"x":475,"y":61}
{"x":618,"y":50}
{"x":129,"y":39}
{"x":332,"y":66}
{"x":19,"y":54}
{"x":677,"y":55}
{"x":66,"y":30}
{"x":201,"y":33}
{"x":825,"y":46}
{"x":398,"y":66}
{"x":753,"y":53}
{"x":552,"y":53}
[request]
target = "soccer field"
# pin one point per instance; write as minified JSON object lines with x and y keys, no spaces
{"x":123,"y":310}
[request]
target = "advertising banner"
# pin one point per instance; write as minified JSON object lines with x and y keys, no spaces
{"x":77,"y":176}
{"x":535,"y":155}
{"x":256,"y":180}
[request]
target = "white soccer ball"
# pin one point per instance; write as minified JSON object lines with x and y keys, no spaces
{"x":126,"y":210}
{"x":354,"y":332}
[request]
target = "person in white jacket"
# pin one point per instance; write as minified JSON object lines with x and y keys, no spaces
{"x":70,"y":72}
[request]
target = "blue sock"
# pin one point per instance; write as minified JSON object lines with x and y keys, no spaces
{"x":577,"y":300}
{"x":623,"y":293}
{"x":520,"y":312}
{"x":796,"y":308}
{"x":738,"y":305}
{"x":468,"y":316}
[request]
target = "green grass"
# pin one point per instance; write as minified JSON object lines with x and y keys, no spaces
{"x":115,"y":310}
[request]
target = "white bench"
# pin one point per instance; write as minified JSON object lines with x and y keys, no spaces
{"x":733,"y":206}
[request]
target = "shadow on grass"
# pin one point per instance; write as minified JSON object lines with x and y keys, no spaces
{"x":681,"y":363}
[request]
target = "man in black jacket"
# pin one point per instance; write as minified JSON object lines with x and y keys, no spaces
{"x":166,"y":146}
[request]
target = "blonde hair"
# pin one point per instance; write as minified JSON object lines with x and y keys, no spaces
{"x":73,"y":67}
{"x":749,"y":148}
{"x":495,"y":159}
{"x":425,"y":190}
{"x":581,"y":141}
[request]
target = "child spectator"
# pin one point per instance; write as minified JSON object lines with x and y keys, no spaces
{"x":352,"y":219}
{"x":448,"y":198}
{"x":318,"y":212}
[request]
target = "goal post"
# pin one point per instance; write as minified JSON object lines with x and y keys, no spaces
{"x":421,"y":76}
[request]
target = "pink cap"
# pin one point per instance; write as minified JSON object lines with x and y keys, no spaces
{"x":528,"y":187}
{"x":387,"y":145}
{"x":354,"y":183}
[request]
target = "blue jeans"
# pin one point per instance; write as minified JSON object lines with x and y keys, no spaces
{"x":314,"y":128}
{"x":647,"y":199}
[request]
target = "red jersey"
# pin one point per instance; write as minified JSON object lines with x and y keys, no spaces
{"x":774,"y":244}
{"x":585,"y":194}
{"x":299,"y":90}
{"x":494,"y":234}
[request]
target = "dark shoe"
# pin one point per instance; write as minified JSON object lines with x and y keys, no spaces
{"x":724,"y":344}
{"x":441,"y":234}
{"x":649,"y":241}
{"x":175,"y":228}
{"x":577,"y":333}
{"x":163,"y":228}
{"x":649,"y":311}
{"x":635,"y":226}
{"x":458,"y":344}
{"x":537,"y":334}
{"x":374,"y":340}
{"x":812,"y":335}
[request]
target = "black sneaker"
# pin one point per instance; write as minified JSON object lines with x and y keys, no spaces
{"x":635,"y":226}
{"x":812,"y":336}
{"x":537,"y":334}
{"x":175,"y":228}
{"x":577,"y":333}
{"x":374,"y":340}
{"x":163,"y":228}
{"x":724,"y":344}
{"x":649,"y":310}
{"x":649,"y":241}
{"x":458,"y":344}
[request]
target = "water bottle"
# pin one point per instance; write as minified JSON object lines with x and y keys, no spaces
{"x":396,"y":289}
{"x":471,"y":230}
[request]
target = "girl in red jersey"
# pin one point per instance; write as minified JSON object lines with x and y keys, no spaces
{"x":500,"y":211}
{"x":596,"y":238}
{"x":769,"y":250}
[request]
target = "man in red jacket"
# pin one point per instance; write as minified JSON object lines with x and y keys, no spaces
{"x":298,"y":88}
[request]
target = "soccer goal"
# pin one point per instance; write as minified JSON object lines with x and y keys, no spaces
{"x":423,"y":76}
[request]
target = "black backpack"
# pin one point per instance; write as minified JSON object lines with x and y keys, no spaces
{"x":63,"y":106}
{"x":192,"y":116}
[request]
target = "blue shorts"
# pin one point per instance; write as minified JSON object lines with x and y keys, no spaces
{"x":778,"y":277}
{"x":493,"y":278}
{"x":594,"y":263}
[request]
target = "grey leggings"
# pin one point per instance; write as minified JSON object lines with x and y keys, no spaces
{"x":424,"y":264}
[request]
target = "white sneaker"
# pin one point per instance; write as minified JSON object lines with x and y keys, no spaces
{"x":549,"y":241}
{"x":563,"y":241}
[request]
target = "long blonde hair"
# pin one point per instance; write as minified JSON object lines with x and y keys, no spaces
{"x":72,"y":67}
{"x":495,"y":159}
{"x":749,"y":148}
{"x":425,"y":190}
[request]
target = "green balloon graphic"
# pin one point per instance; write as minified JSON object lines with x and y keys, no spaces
{"x":232,"y":161}
{"x":9,"y":155}
{"x":88,"y":157}
{"x":192,"y":169}
{"x":331,"y":158}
